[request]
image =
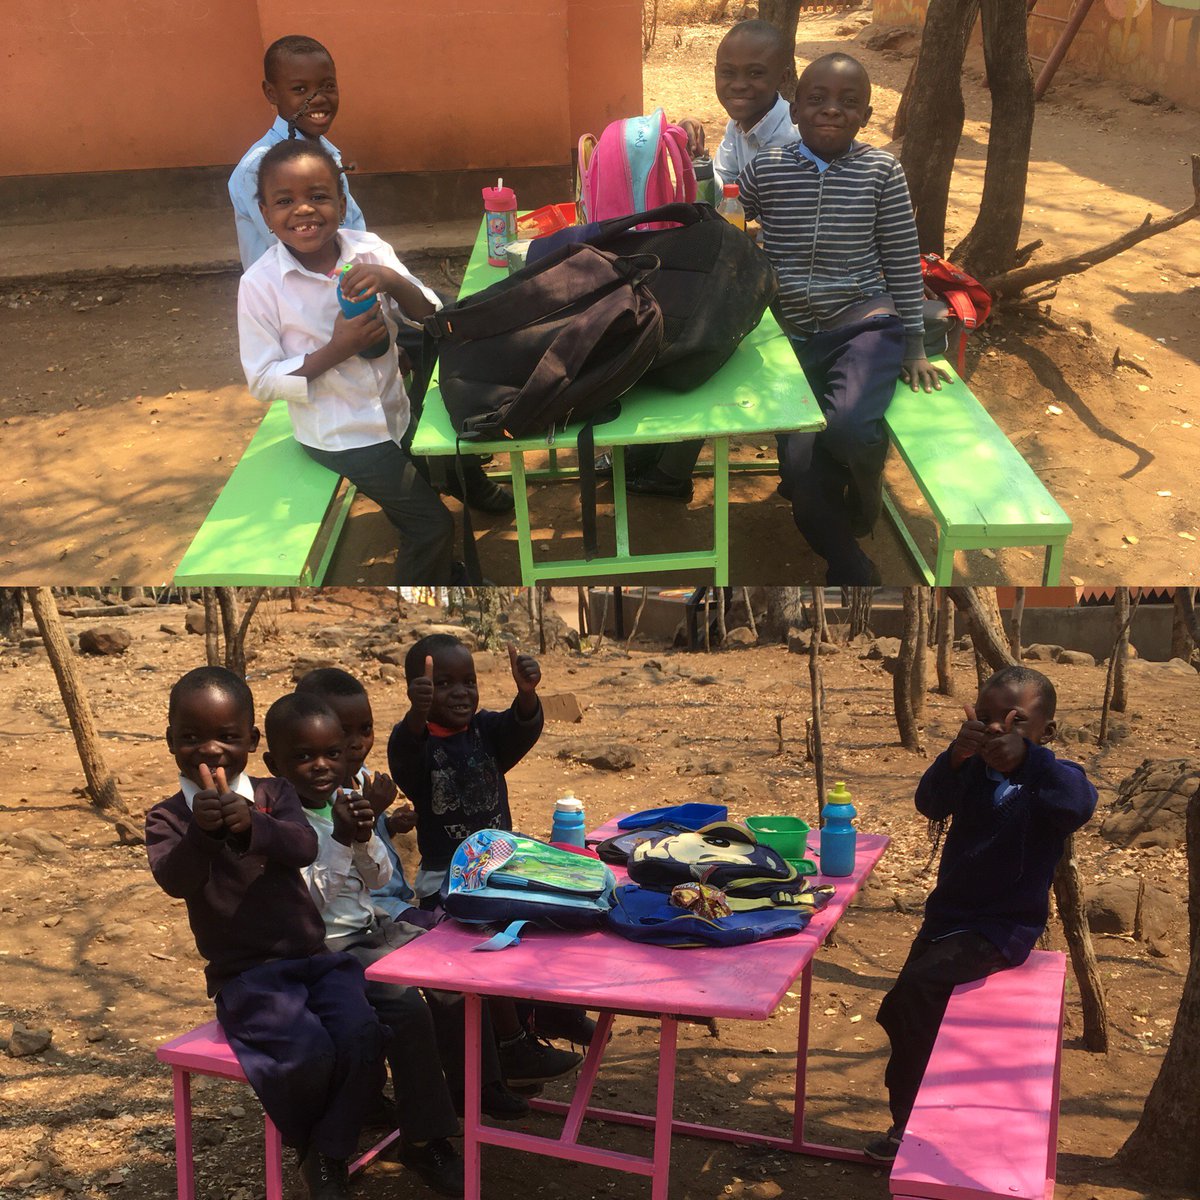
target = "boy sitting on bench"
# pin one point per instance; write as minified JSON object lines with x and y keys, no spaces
{"x":1011,"y":806}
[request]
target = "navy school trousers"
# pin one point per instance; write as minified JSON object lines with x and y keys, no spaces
{"x":311,"y":1047}
{"x":834,"y":478}
{"x":911,"y":1013}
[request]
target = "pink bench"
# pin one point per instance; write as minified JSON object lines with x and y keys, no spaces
{"x":204,"y":1051}
{"x":986,"y":1118}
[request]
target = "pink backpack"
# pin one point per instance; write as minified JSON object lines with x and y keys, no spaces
{"x":638,"y":163}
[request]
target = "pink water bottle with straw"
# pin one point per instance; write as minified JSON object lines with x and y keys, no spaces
{"x":500,"y":218}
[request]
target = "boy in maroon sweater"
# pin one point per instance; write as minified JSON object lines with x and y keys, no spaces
{"x":231,"y":848}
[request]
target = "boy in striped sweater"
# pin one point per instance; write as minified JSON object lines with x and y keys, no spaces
{"x":838,"y":227}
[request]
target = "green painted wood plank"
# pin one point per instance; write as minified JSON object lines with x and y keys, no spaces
{"x":973,"y":478}
{"x":267,"y":520}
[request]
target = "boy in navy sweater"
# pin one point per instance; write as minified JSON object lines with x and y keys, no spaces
{"x":1011,"y":806}
{"x":233,"y":848}
{"x":838,"y":227}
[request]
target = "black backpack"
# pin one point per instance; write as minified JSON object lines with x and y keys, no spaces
{"x":713,"y":284}
{"x":553,"y":343}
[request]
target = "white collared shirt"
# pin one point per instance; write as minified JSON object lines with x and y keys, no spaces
{"x":738,"y":148}
{"x":240,"y":783}
{"x":341,"y":878}
{"x":254,"y":238}
{"x":286,"y":311}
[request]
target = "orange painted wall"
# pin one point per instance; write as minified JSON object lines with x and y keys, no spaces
{"x":1151,"y":43}
{"x":107,"y":86}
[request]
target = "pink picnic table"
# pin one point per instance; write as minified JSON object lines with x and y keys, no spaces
{"x":604,"y":972}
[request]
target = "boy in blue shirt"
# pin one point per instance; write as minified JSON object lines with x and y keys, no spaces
{"x":300,"y":80}
{"x":1011,"y":806}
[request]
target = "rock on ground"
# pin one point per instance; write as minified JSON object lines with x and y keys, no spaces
{"x":1151,"y":804}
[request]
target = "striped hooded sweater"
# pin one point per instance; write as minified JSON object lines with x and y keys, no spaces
{"x":839,"y":239}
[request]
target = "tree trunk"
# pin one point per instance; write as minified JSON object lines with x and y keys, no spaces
{"x":906,"y":721}
{"x":986,"y":635}
{"x":749,"y":612}
{"x":1014,"y":624}
{"x":1165,"y":1145}
{"x":945,"y":639}
{"x":212,"y":628}
{"x":721,"y":614}
{"x":1068,"y":895}
{"x":935,"y":116}
{"x":784,"y":14}
{"x":1120,"y":654}
{"x":785,"y":609}
{"x":102,"y":786}
{"x":1181,"y":639}
{"x":490,"y":604}
{"x":860,"y":610}
{"x":920,"y":667}
{"x":991,"y":245}
{"x":816,"y":686}
{"x":12,"y":614}
{"x":1125,"y":619}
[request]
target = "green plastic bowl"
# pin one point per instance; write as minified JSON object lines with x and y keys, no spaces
{"x":786,"y":835}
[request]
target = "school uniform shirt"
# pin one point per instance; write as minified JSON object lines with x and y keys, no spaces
{"x":286,"y":311}
{"x":1005,"y":839}
{"x":341,"y":877}
{"x":247,"y":902}
{"x":737,"y":148}
{"x":840,"y":236}
{"x":456,"y":781}
{"x":254,"y":238}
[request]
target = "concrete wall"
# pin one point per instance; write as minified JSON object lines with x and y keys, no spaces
{"x":1146,"y":42}
{"x":143,"y":85}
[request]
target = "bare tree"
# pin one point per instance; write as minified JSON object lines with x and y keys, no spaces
{"x":978,"y":605}
{"x":784,"y":14}
{"x":919,"y":679}
{"x":102,"y":784}
{"x":1014,"y":624}
{"x":212,"y":627}
{"x":817,"y":687}
{"x":637,"y":617}
{"x":902,"y":672}
{"x":749,"y":611}
{"x":860,"y":610}
{"x":12,"y":614}
{"x":721,"y":614}
{"x":1165,"y":1145}
{"x":1119,"y":652}
{"x":945,"y":638}
{"x":234,"y":626}
{"x":1068,"y":895}
{"x":785,"y":611}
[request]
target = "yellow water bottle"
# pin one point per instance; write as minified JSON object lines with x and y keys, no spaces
{"x":731,"y":207}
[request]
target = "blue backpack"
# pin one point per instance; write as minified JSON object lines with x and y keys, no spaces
{"x":647,"y":916}
{"x":502,"y":878}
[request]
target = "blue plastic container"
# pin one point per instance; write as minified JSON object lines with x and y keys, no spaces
{"x":568,"y":825}
{"x":838,"y":838}
{"x":352,"y":308}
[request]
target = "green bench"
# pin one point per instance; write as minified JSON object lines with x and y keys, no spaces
{"x":277,"y":519}
{"x":982,"y":493}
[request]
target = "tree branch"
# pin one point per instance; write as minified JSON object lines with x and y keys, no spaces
{"x":1012,"y":283}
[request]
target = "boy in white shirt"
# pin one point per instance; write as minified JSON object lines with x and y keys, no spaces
{"x":305,"y":747}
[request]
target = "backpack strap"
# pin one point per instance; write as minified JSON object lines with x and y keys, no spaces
{"x":964,"y":309}
{"x":508,"y":936}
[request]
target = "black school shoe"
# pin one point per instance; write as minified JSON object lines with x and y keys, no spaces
{"x":325,"y":1178}
{"x":656,"y":482}
{"x":438,"y":1164}
{"x":884,"y":1148}
{"x":497,"y":1102}
{"x":483,"y":494}
{"x":530,"y":1059}
{"x":568,"y":1024}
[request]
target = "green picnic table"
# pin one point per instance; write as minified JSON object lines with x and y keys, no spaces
{"x":760,"y":390}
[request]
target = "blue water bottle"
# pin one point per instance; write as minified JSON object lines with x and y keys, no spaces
{"x":352,"y":308}
{"x":567,"y":826}
{"x":837,"y":833}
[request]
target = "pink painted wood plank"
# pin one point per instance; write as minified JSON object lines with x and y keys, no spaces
{"x":602,"y":970}
{"x":985,"y":1119}
{"x":204,"y":1050}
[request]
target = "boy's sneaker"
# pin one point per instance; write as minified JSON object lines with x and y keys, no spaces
{"x":884,"y":1149}
{"x":438,"y":1164}
{"x":530,"y":1059}
{"x":324,"y":1178}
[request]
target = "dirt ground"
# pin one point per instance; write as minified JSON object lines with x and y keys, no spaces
{"x":92,"y":950}
{"x":124,"y":409}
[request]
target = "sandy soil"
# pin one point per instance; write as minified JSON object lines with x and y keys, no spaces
{"x":123,"y":407}
{"x":92,"y":949}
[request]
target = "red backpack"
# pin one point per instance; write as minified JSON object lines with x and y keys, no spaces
{"x":967,"y":298}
